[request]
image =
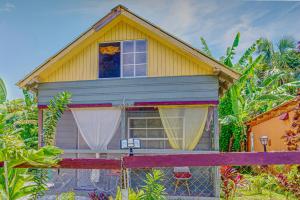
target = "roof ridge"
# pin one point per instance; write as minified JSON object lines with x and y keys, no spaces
{"x":119,"y":7}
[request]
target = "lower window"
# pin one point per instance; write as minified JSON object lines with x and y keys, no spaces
{"x":150,"y":131}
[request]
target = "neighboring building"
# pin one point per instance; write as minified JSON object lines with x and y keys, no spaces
{"x":129,"y":78}
{"x":273,"y":124}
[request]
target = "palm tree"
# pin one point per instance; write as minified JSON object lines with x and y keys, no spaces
{"x":282,"y":56}
{"x":274,"y":54}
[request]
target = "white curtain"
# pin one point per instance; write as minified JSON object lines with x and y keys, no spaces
{"x":184,"y":126}
{"x":97,"y":127}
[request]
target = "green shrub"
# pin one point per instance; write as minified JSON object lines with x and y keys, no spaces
{"x":66,"y":196}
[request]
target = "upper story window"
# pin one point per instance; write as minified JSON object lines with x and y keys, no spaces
{"x":123,"y":59}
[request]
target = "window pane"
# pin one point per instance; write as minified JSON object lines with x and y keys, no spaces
{"x":141,"y":70}
{"x":140,"y":58}
{"x":128,"y":70}
{"x":109,"y":60}
{"x":155,"y":133}
{"x":137,"y":133}
{"x":167,"y":145}
{"x":140,"y":46}
{"x":127,"y":59}
{"x":154,"y":123}
{"x":155,"y":144}
{"x":137,"y":123}
{"x":143,"y":144}
{"x":127,"y":46}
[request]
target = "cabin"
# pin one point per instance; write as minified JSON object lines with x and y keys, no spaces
{"x":131,"y":79}
{"x":273,"y":124}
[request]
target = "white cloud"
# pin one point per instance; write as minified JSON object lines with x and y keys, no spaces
{"x":217,"y":21}
{"x":179,"y":16}
{"x":7,"y":7}
{"x":220,"y":26}
{"x":279,"y":26}
{"x":183,"y":18}
{"x":249,"y":32}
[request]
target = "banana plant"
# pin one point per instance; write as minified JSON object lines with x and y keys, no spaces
{"x":258,"y":89}
{"x":230,"y":52}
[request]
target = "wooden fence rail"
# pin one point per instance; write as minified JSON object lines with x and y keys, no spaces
{"x":150,"y":161}
{"x":82,"y":163}
{"x":217,"y":159}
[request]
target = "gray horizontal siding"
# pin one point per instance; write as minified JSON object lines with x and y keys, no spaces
{"x":66,"y":132}
{"x":67,"y":136}
{"x":150,"y":89}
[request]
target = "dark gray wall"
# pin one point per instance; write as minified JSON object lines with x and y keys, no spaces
{"x":150,"y":89}
{"x":67,"y":132}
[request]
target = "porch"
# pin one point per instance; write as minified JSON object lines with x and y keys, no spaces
{"x":175,"y":115}
{"x":203,"y":183}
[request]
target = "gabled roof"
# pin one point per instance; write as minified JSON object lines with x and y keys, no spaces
{"x":226,"y":75}
{"x":275,"y":112}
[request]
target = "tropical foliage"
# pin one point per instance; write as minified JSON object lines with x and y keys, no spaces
{"x":56,"y":108}
{"x":269,"y":76}
{"x":231,"y":180}
{"x":292,"y":136}
{"x":152,"y":190}
{"x":66,"y":196}
{"x":3,"y":92}
{"x":18,"y":141}
{"x":264,"y":184}
{"x":17,"y":183}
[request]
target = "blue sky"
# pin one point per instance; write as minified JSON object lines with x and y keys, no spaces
{"x":33,"y":30}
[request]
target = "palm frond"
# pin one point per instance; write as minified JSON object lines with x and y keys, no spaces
{"x":285,"y":44}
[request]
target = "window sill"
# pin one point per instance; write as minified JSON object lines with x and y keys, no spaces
{"x":137,"y":151}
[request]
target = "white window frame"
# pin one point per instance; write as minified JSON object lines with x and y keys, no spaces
{"x":134,"y":64}
{"x":146,"y":128}
{"x":121,"y":59}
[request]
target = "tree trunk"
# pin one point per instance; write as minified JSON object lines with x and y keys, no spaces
{"x":230,"y":144}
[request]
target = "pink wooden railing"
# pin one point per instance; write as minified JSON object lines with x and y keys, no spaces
{"x":209,"y":159}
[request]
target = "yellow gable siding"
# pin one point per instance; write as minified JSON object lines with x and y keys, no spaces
{"x":162,"y":60}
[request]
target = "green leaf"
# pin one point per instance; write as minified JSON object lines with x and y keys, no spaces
{"x":229,"y":119}
{"x":230,"y":52}
{"x":272,"y":78}
{"x":247,"y":54}
{"x":295,"y":84}
{"x":56,"y":108}
{"x":205,"y":47}
{"x":286,"y":44}
{"x":236,"y":41}
{"x":3,"y":92}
